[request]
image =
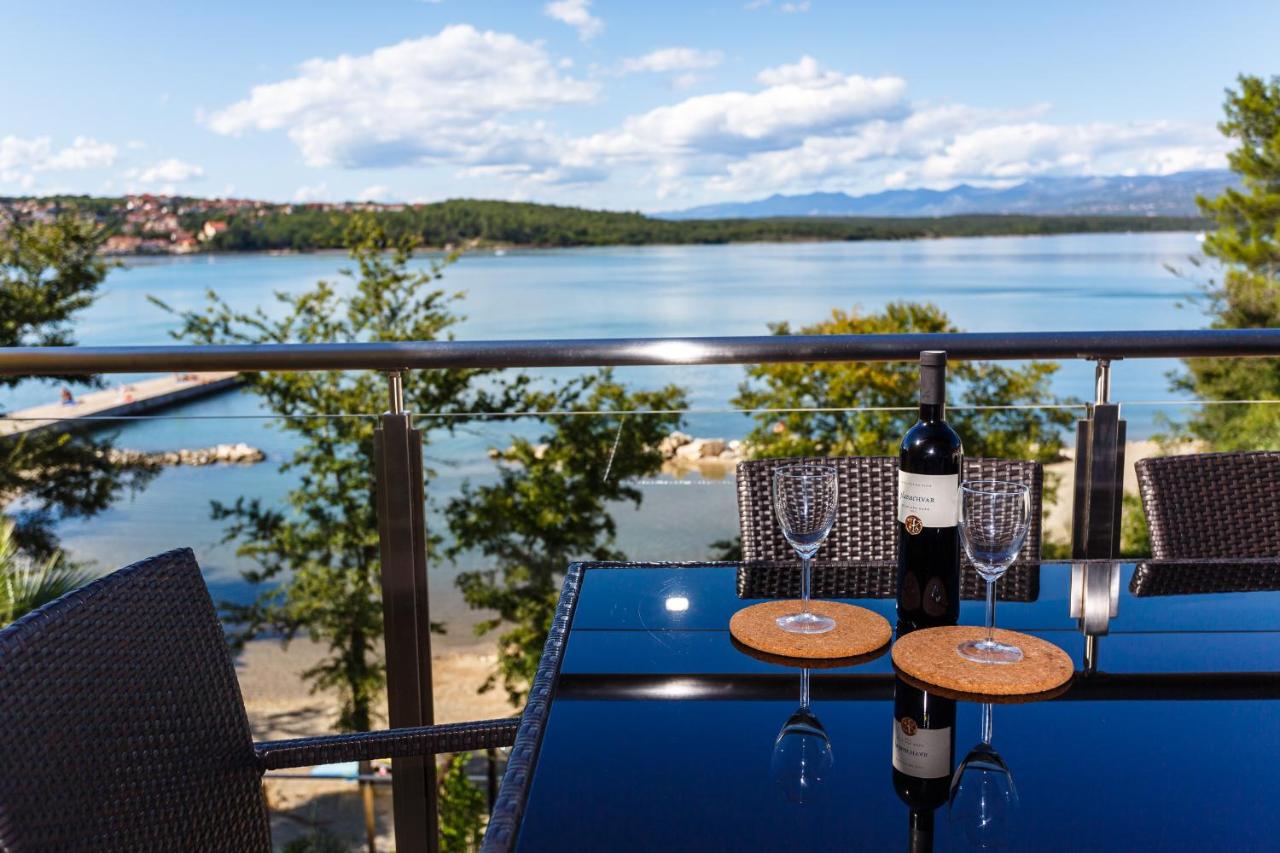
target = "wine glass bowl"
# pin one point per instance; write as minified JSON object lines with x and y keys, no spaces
{"x":983,"y":801}
{"x":805,"y":500}
{"x":802,"y":757}
{"x":994,"y":516}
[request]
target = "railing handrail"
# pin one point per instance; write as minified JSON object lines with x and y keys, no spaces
{"x":428,"y":355}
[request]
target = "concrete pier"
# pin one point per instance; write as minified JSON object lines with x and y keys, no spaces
{"x":133,"y":398}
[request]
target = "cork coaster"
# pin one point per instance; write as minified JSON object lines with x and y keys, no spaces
{"x":930,"y":656}
{"x":809,"y":663}
{"x":985,"y":698}
{"x":858,"y":631}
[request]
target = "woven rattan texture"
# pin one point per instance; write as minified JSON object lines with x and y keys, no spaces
{"x":121,"y":721}
{"x":1212,"y":504}
{"x":1021,"y":582}
{"x":1154,"y":579}
{"x":865,"y":527}
{"x":392,"y":743}
{"x":504,"y":821}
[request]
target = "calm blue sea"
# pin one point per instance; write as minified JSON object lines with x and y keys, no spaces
{"x":1115,"y":281}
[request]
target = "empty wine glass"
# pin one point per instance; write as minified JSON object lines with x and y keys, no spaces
{"x":984,"y":801}
{"x":805,"y":500}
{"x":802,"y":756}
{"x":993,"y":522}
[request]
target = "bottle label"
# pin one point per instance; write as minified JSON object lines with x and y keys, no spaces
{"x":921,"y":753}
{"x":927,"y":500}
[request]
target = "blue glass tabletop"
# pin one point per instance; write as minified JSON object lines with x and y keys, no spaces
{"x":663,"y":733}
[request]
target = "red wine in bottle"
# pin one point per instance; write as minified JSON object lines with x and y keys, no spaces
{"x":928,"y":498}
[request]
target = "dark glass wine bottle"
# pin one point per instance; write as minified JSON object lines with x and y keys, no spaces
{"x":928,"y":495}
{"x":924,"y":741}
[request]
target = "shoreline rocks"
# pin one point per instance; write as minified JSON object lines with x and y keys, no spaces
{"x":684,"y":451}
{"x":221,"y":454}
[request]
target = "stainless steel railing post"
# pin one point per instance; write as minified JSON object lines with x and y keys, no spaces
{"x":1099,"y":473}
{"x":405,"y":607}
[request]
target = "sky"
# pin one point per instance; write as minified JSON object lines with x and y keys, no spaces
{"x":609,"y":104}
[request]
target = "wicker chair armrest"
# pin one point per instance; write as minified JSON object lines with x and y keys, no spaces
{"x":389,"y":743}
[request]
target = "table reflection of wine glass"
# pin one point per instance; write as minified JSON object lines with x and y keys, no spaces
{"x":984,"y":801}
{"x":802,"y":756}
{"x":805,"y":498}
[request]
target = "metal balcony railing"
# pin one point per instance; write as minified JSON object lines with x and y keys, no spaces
{"x":1099,"y":458}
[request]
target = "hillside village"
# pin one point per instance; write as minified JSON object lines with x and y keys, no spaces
{"x":165,"y":225}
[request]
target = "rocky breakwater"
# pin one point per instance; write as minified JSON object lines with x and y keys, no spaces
{"x":221,"y":454}
{"x":681,"y":452}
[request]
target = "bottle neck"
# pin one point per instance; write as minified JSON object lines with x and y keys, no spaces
{"x":933,"y":391}
{"x":920,"y":833}
{"x":932,"y":411}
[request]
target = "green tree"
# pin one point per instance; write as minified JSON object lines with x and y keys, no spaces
{"x":318,"y":555}
{"x":26,"y":584}
{"x":1245,"y":240}
{"x":462,"y":806}
{"x":49,"y":271}
{"x":551,"y":505}
{"x":812,"y":398}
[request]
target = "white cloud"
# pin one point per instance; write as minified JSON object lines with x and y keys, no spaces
{"x":730,"y":122}
{"x":806,"y":71}
{"x":83,"y":153}
{"x":21,"y":158}
{"x":752,"y":5}
{"x":447,"y":98}
{"x":171,"y":171}
{"x":376,"y":192}
{"x":577,"y":14}
{"x":482,"y":103}
{"x":673,"y":59}
{"x":314,"y":192}
{"x":792,"y":8}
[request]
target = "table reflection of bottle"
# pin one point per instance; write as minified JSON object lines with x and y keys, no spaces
{"x":924,"y":740}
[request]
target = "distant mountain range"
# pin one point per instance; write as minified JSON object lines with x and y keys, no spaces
{"x":1145,"y":195}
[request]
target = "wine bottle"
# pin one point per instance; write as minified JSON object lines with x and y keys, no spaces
{"x":928,"y":495}
{"x":924,"y":740}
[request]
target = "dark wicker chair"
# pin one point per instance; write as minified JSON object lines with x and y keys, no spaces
{"x":122,"y":726}
{"x":1212,"y":504}
{"x":865,"y":525}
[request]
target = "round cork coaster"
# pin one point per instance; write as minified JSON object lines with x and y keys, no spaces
{"x":808,"y":663}
{"x":985,"y":698}
{"x":858,"y":631}
{"x":930,"y":656}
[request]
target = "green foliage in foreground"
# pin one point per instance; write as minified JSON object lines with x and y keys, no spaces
{"x":552,"y":505}
{"x":462,"y":808}
{"x":319,"y":555}
{"x":27,"y":585}
{"x":1007,"y":433}
{"x":464,"y":222}
{"x":1246,"y":240}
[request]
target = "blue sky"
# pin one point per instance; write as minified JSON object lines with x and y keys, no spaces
{"x":603,"y":103}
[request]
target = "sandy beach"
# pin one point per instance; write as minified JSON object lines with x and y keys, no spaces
{"x":280,"y":704}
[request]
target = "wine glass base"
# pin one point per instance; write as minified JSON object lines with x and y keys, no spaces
{"x":988,"y":651}
{"x":806,"y":623}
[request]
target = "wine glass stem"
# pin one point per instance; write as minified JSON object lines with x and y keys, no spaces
{"x":991,"y":611}
{"x":804,"y":584}
{"x":987,"y":723}
{"x":804,"y":688}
